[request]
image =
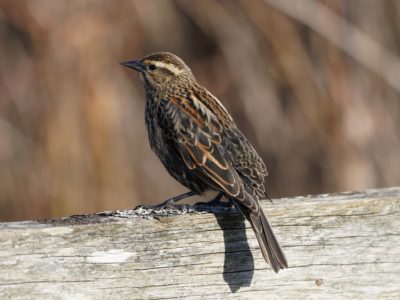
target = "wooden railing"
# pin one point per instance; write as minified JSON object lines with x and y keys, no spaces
{"x":338,"y":246}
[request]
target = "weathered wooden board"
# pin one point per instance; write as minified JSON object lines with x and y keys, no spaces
{"x":338,"y":246}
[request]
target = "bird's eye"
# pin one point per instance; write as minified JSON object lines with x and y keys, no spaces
{"x":152,"y":67}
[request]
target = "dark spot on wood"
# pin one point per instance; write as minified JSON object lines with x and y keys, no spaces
{"x":319,"y":282}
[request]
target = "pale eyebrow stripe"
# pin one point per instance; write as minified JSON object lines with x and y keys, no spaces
{"x":170,"y":67}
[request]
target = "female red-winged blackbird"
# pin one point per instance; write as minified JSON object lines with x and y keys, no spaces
{"x":200,"y":145}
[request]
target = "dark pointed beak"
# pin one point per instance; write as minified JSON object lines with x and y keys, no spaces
{"x":134,"y":64}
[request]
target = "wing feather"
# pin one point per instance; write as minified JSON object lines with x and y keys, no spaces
{"x":197,"y":133}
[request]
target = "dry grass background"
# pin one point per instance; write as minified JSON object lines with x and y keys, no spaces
{"x":313,"y":84}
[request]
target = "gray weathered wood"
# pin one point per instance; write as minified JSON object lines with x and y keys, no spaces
{"x":338,"y":246}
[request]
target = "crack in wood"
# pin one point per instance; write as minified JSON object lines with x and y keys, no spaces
{"x":348,"y":240}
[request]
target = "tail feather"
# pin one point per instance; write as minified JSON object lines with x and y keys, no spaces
{"x":270,"y":248}
{"x":272,"y":252}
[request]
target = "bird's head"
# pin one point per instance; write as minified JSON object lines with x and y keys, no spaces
{"x":159,"y":69}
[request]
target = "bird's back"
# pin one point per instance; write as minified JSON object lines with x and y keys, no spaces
{"x":236,"y":148}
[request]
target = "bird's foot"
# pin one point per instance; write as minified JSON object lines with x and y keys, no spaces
{"x":170,"y":203}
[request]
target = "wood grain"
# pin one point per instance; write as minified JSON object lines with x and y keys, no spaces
{"x":338,"y":246}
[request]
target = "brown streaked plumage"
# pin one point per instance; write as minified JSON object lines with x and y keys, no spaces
{"x":200,"y":145}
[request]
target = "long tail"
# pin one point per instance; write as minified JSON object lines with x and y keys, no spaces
{"x":272,"y":252}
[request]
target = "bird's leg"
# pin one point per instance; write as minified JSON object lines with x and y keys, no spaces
{"x":172,"y":201}
{"x":216,"y":201}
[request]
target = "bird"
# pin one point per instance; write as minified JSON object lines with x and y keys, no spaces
{"x":200,"y":145}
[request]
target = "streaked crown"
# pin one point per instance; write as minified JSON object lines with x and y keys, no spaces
{"x":166,"y":60}
{"x":160,"y":68}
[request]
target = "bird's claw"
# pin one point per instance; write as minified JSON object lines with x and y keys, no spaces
{"x":170,"y":203}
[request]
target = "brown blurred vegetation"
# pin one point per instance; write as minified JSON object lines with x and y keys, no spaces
{"x":323,"y":114}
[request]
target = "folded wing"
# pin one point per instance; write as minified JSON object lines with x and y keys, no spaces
{"x":197,"y":134}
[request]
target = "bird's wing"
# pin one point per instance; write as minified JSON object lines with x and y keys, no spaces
{"x":246,"y":162}
{"x":237,"y":149}
{"x":197,"y":134}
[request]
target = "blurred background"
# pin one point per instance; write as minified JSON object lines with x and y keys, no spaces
{"x":315,"y":85}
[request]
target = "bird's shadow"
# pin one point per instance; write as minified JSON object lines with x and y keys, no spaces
{"x":239,"y":263}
